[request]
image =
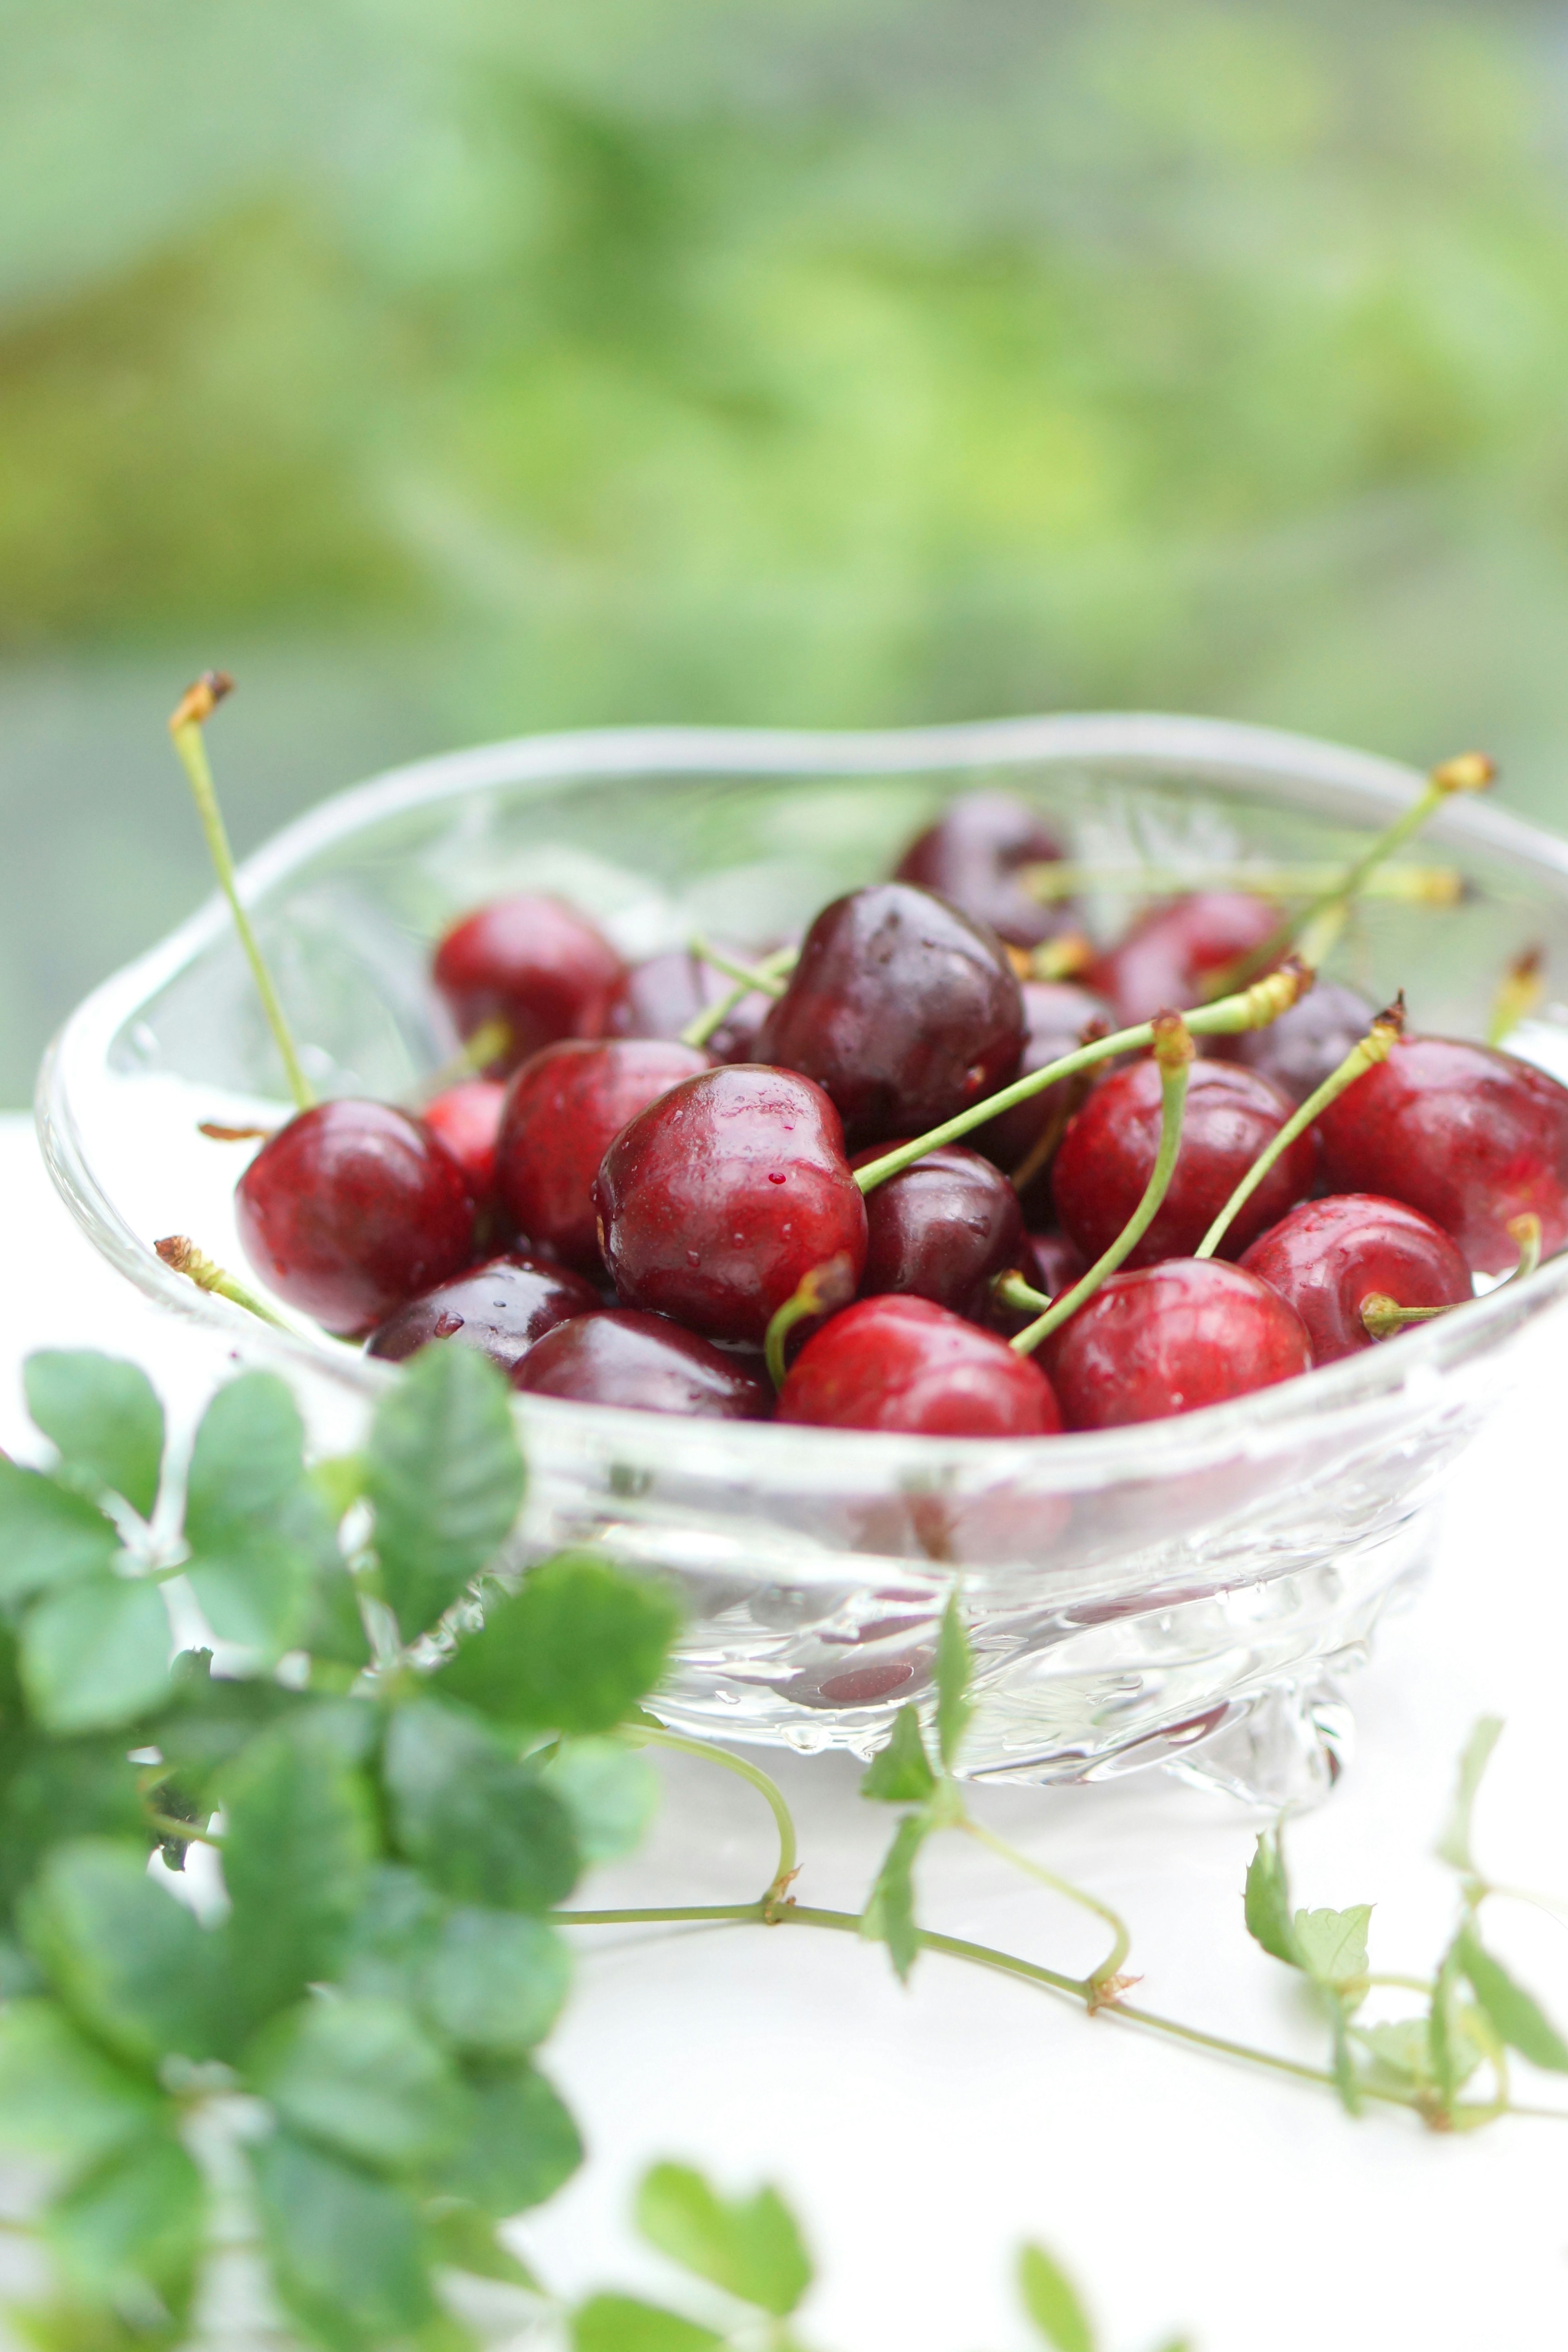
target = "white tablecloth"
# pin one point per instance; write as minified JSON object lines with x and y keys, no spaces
{"x":924,"y":2134}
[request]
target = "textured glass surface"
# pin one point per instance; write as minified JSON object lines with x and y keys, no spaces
{"x":1185,"y":1592}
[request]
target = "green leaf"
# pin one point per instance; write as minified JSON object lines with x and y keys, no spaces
{"x":96,"y":1653}
{"x":256,"y":1529}
{"x":496,"y":1983}
{"x":1051,"y":2301}
{"x":1347,"y":2083}
{"x":104,"y":1416}
{"x":363,"y":2076}
{"x":334,"y":1627}
{"x":444,"y":1474}
{"x":1454,"y":1843}
{"x":210,"y":1718}
{"x":462,"y":2239}
{"x":611,"y":1794}
{"x":298,"y":1840}
{"x":1268,"y":1902}
{"x":1401,"y":2047}
{"x":519,"y":2142}
{"x":66,"y":1789}
{"x":1333,"y":1944}
{"x":481,"y":1826}
{"x":619,"y":2323}
{"x":344,"y":2246}
{"x":60,"y":2095}
{"x":889,"y":1915}
{"x":1442,"y":2034}
{"x":48,"y":1535}
{"x":751,"y":2246}
{"x":139,"y":2218}
{"x":954,"y":1669}
{"x":901,"y":1773}
{"x":574,"y":1650}
{"x":339,"y":1482}
{"x":129,"y":1960}
{"x":258,"y":1597}
{"x":1516,"y":2014}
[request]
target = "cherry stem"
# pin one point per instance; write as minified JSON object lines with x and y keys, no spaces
{"x":768,"y":975}
{"x":1471,"y":772}
{"x":1043,"y":1149}
{"x":197,"y":706}
{"x":1063,"y":958}
{"x":823,"y":1291}
{"x":1375,"y":1047}
{"x":1227,"y":1016}
{"x":1425,"y":886}
{"x":1523,"y":986}
{"x":1012,"y":1290}
{"x":1173,"y":1052}
{"x":181,"y":1256}
{"x":1381,"y":1316}
{"x":487,"y":1043}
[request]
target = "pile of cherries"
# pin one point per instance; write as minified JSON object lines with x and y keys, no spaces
{"x":617,"y":1216}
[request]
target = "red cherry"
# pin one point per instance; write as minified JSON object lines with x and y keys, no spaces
{"x":533,"y":963}
{"x":563,"y":1110}
{"x":1108,"y":1156}
{"x":908,"y":1364}
{"x":1165,"y":958}
{"x":942,"y":1229}
{"x":1172,"y":1339}
{"x":717,"y":1200}
{"x":1328,"y":1255}
{"x":971,"y":856}
{"x":1307,"y":1043}
{"x":904,"y":1010}
{"x":647,"y":1362}
{"x":1468,"y":1135}
{"x":466,"y":1118}
{"x":1056,"y":1015}
{"x":501,"y":1308}
{"x":661,"y":997}
{"x":352,"y":1208}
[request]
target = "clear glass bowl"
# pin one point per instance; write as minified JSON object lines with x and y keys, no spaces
{"x":1186,"y":1592}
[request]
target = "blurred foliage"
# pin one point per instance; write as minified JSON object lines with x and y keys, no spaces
{"x":776,"y":361}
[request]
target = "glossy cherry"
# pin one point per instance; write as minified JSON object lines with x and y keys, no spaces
{"x":1172,"y":1339}
{"x":1169,"y":953}
{"x":971,"y":856}
{"x":660,"y":997}
{"x":1108,"y":1156}
{"x":563,"y":1110}
{"x":352,"y":1208}
{"x":901,"y":1008}
{"x":943,"y":1229}
{"x":1468,"y":1135}
{"x":533,"y":963}
{"x":1328,"y":1255}
{"x":1307,"y":1043}
{"x":647,"y":1362}
{"x":908,"y":1364}
{"x":1057,"y":1017}
{"x":716,"y":1200}
{"x":501,"y":1308}
{"x":466,"y":1118}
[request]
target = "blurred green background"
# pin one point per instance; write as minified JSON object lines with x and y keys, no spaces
{"x":449,"y":368}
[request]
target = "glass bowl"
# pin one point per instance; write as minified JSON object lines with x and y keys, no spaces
{"x":1186,"y":1592}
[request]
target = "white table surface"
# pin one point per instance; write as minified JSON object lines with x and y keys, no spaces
{"x":924,"y":2134}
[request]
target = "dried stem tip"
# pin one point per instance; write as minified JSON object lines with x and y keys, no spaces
{"x":1174,"y":1046}
{"x":198,"y":702}
{"x":1276,"y":993}
{"x":181,"y":1256}
{"x":1468,"y":772}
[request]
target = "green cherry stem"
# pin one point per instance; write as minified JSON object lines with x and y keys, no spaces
{"x":1012,"y":1290}
{"x":196,"y":707}
{"x":768,"y":976}
{"x":1173,"y":1052}
{"x":821,"y":1291}
{"x":1375,"y":1047}
{"x":645,"y":1730}
{"x":748,"y":975}
{"x":1521,"y":990}
{"x":487,"y":1043}
{"x":181,"y":1256}
{"x":1424,"y":886}
{"x":1227,"y":1016}
{"x":1381,"y":1316}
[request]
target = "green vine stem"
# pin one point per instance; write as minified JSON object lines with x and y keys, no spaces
{"x":1111,"y":1965}
{"x":654,"y":1734}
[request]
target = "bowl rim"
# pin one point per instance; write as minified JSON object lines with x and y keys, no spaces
{"x":1217,"y":753}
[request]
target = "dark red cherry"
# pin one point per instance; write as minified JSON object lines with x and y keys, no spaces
{"x":533,"y":963}
{"x":971,"y":856}
{"x":908,"y":1364}
{"x":943,"y":1229}
{"x":563,"y":1110}
{"x":904,"y":1010}
{"x":721,"y":1197}
{"x":1468,"y":1135}
{"x":500,"y":1309}
{"x":1057,"y":1017}
{"x":466,"y":1118}
{"x":1108,"y":1154}
{"x":1328,"y":1255}
{"x":1172,"y":1339}
{"x":661,"y":997}
{"x":1170,"y":952}
{"x":1308,"y":1043}
{"x":351,"y":1209}
{"x":647,"y":1362}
